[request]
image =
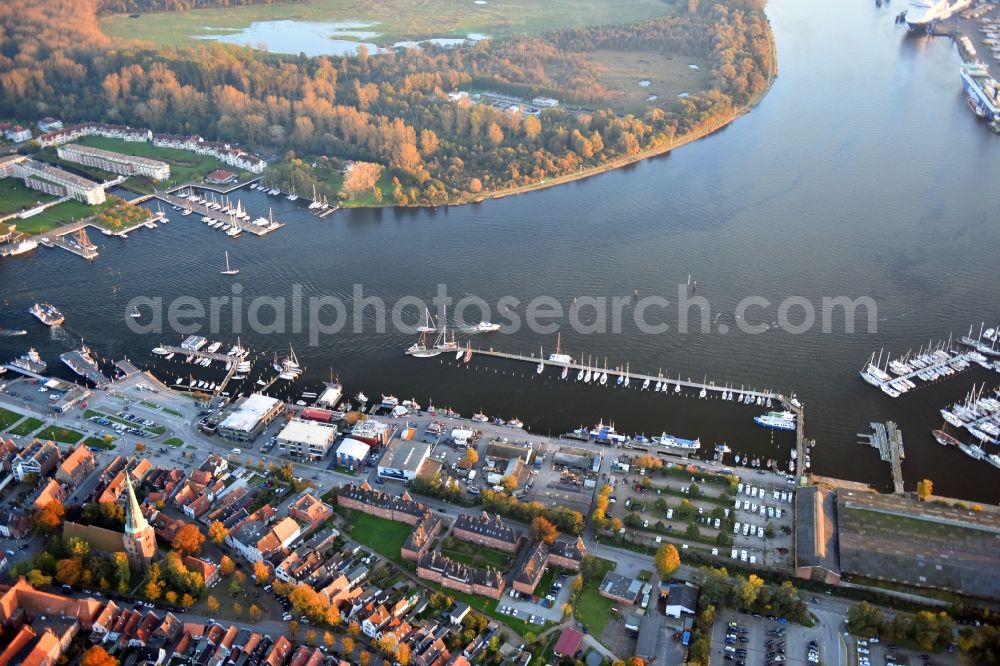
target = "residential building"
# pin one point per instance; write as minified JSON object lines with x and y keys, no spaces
{"x":620,"y":588}
{"x":484,"y":530}
{"x":437,"y":568}
{"x":52,"y":180}
{"x":422,"y":536}
{"x":106,"y":160}
{"x":17,"y":134}
{"x":49,"y":124}
{"x":38,"y":458}
{"x":310,"y":510}
{"x":402,"y":508}
{"x":77,"y":466}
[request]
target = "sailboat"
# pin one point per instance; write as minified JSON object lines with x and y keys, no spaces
{"x":541,"y":362}
{"x":428,"y":325}
{"x":468,"y":353}
{"x":443,"y":342}
{"x":229,"y":270}
{"x":135,"y":314}
{"x":419,"y":349}
{"x":559,"y":357}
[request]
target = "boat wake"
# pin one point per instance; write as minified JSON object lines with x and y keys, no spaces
{"x":9,"y":332}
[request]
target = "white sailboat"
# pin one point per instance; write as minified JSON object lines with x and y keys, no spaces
{"x":229,"y":270}
{"x":541,"y":362}
{"x":428,"y":325}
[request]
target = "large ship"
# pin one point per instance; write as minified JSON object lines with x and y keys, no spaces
{"x":47,"y":314}
{"x":923,"y":14}
{"x":31,"y":362}
{"x":983,"y":91}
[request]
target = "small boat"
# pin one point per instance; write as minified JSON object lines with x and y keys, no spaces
{"x":459,"y":354}
{"x":515,"y":423}
{"x":487,"y":327}
{"x":135,"y":314}
{"x":565,"y":372}
{"x":229,"y":270}
{"x":479,"y":417}
{"x":645,"y":384}
{"x":361,"y":397}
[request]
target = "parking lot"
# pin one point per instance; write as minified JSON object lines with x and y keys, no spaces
{"x":786,"y":644}
{"x":525,"y":608}
{"x":756,"y":521}
{"x":874,"y":652}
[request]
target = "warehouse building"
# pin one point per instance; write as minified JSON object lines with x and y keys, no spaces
{"x":402,"y":459}
{"x":352,"y":453}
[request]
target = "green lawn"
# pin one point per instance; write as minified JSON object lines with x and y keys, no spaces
{"x":384,"y":536}
{"x":98,"y":443}
{"x":478,"y":556}
{"x":61,"y":435}
{"x":14,"y":197}
{"x":56,"y":216}
{"x":176,"y":442}
{"x":27,"y":426}
{"x":7,"y":417}
{"x":591,"y":608}
{"x":167,"y":410}
{"x":185,"y":166}
{"x":393,"y":20}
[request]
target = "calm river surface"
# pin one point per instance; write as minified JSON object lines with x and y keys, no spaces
{"x":862,"y":173}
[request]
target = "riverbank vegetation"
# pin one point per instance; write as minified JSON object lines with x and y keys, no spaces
{"x":392,"y":108}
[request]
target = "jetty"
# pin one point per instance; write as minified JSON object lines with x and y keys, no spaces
{"x":888,"y":440}
{"x":214,"y":356}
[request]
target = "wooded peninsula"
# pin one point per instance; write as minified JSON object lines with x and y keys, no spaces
{"x":392,"y":108}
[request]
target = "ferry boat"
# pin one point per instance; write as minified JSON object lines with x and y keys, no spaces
{"x":80,"y":361}
{"x":776,"y":420}
{"x":923,"y":14}
{"x":47,"y":314}
{"x":678,"y":443}
{"x":983,"y":91}
{"x":31,"y":362}
{"x":606,"y":433}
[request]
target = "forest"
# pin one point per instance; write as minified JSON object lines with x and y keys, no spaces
{"x":388,"y":108}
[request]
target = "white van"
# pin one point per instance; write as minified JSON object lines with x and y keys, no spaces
{"x":670,"y":514}
{"x":753,"y":559}
{"x":736,"y":528}
{"x":753,"y":492}
{"x":746,"y":505}
{"x":717,"y":523}
{"x":739,"y":488}
{"x":733,"y":556}
{"x":746,"y":529}
{"x":770,"y":512}
{"x":743,"y":555}
{"x":763,"y":512}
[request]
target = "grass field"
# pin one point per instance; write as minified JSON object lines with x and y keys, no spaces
{"x":478,"y":556}
{"x":591,"y":608}
{"x":668,"y":74}
{"x":61,"y":435}
{"x":15,"y":197}
{"x":386,"y":537}
{"x":175,"y":442}
{"x":27,"y":426}
{"x":98,"y":443}
{"x":394,"y":20}
{"x":56,"y":216}
{"x":8,"y":418}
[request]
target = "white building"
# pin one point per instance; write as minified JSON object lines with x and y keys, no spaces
{"x":125,"y":165}
{"x":52,"y":180}
{"x":545,"y":102}
{"x":352,"y":453}
{"x":249,"y":417}
{"x":309,"y":439}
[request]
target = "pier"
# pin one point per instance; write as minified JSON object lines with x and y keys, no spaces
{"x":79,"y":364}
{"x":888,"y":439}
{"x":203,"y":210}
{"x":214,"y":356}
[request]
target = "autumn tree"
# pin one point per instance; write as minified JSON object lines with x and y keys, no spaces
{"x":403,"y":654}
{"x":348,"y":644}
{"x":509,"y":483}
{"x":925,"y":488}
{"x":226,"y":565}
{"x":364,"y":658}
{"x":188,"y":540}
{"x":237,"y":609}
{"x":48,"y":519}
{"x":329,"y":640}
{"x":361,"y":178}
{"x":98,"y":656}
{"x":353,"y":629}
{"x":471,"y":456}
{"x":69,"y":570}
{"x":543,"y":530}
{"x":261,"y":572}
{"x":311,"y":636}
{"x":217,"y":532}
{"x":256,"y":613}
{"x":667,"y":560}
{"x":212,"y":603}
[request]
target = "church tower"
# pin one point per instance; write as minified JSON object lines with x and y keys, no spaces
{"x":139,"y":539}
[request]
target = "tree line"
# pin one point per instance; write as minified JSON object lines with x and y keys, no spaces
{"x":389,"y":108}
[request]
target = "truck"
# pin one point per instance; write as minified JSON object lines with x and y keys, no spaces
{"x":472,"y":475}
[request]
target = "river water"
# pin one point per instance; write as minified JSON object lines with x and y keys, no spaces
{"x":862,"y":173}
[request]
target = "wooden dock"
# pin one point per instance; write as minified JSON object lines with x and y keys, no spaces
{"x":888,"y":440}
{"x":214,"y":356}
